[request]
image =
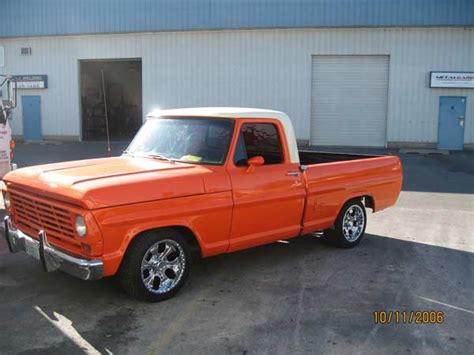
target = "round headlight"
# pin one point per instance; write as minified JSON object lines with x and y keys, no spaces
{"x":6,"y":200}
{"x":81,"y":228}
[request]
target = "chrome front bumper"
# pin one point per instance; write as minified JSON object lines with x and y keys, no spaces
{"x":50,"y":257}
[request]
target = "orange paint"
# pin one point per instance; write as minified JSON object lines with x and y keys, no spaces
{"x":226,"y":207}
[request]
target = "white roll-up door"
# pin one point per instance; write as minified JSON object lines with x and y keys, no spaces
{"x":349,"y":100}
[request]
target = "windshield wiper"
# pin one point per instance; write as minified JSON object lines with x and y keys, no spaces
{"x":162,"y":157}
{"x":154,"y":156}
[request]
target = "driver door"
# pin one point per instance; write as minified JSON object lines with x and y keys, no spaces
{"x":269,"y":199}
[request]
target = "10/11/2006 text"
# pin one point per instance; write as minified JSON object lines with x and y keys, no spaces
{"x":408,"y":317}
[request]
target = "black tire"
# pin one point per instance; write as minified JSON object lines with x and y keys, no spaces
{"x":132,"y":277}
{"x":337,"y":236}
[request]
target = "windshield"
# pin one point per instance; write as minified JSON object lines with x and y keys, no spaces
{"x":194,"y":140}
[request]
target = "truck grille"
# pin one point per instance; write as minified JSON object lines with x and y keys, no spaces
{"x":33,"y":214}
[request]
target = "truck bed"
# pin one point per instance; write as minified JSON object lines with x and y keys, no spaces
{"x":333,"y":179}
{"x":314,"y":157}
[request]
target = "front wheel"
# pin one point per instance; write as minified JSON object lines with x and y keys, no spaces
{"x":350,"y":225}
{"x":155,"y":266}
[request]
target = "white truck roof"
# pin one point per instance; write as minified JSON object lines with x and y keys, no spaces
{"x":238,"y":112}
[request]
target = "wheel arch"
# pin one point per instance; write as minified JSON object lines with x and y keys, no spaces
{"x":366,"y":198}
{"x":190,"y":237}
{"x":115,"y":256}
{"x":369,"y":202}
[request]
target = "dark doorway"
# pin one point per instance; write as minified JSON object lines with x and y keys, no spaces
{"x":123,"y":95}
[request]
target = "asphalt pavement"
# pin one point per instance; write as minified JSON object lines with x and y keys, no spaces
{"x":296,"y":297}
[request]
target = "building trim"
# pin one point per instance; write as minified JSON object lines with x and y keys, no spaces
{"x":23,"y":18}
{"x":200,"y":30}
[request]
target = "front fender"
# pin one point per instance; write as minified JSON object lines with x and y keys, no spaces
{"x":207,"y":216}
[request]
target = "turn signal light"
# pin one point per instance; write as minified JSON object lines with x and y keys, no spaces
{"x":12,"y":144}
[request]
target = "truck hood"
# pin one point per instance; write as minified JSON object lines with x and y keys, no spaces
{"x":99,"y":183}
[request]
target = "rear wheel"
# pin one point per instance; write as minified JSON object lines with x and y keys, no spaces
{"x":350,"y":225}
{"x":155,"y":266}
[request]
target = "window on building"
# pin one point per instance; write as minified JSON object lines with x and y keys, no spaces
{"x":258,"y":139}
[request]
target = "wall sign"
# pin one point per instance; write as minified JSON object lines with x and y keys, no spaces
{"x":458,"y":80}
{"x":31,"y":81}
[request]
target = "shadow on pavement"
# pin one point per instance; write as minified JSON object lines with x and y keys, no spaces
{"x":453,"y":173}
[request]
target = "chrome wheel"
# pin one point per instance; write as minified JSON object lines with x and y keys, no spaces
{"x":163,"y":266}
{"x":353,"y":223}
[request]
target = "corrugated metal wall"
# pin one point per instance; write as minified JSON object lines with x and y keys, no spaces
{"x":261,"y":68}
{"x":59,"y":17}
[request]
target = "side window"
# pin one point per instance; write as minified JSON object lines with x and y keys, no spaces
{"x":258,"y":139}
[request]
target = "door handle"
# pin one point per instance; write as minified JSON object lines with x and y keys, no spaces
{"x":293,"y":173}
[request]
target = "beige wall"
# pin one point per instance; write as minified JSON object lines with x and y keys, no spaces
{"x":259,"y":68}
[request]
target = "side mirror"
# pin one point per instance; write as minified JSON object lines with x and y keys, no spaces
{"x":254,"y":162}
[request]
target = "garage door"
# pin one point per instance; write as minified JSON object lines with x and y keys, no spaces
{"x":349,"y":100}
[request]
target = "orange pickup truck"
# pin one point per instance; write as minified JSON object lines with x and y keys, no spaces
{"x":193,"y":182}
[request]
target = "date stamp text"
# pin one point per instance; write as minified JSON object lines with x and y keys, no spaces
{"x":408,"y":317}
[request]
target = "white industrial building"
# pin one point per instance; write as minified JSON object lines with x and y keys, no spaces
{"x":362,"y":82}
